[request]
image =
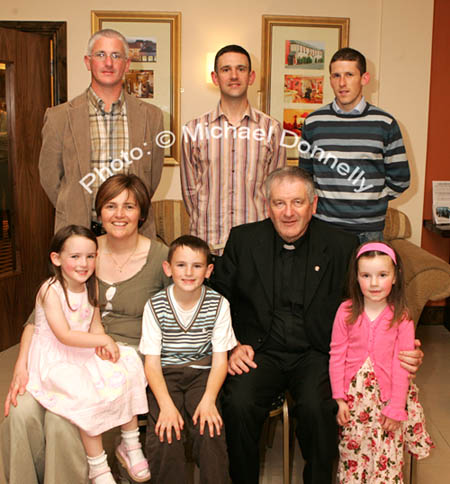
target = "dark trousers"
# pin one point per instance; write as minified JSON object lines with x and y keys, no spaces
{"x":167,"y":461}
{"x":246,"y":403}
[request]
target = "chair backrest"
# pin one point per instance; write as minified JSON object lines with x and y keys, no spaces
{"x":397,"y":225}
{"x":171,"y":219}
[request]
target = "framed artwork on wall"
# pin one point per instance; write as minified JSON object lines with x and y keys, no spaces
{"x":296,"y":52}
{"x":154,"y":75}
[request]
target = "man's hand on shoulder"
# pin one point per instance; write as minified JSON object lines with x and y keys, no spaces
{"x":241,"y":360}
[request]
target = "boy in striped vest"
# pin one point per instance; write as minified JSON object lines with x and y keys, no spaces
{"x":186,"y":334}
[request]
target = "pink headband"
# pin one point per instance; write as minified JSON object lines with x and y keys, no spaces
{"x":380,"y":247}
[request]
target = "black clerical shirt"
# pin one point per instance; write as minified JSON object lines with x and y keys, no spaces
{"x":288,"y":325}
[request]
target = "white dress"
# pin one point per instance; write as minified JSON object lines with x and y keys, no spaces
{"x":94,"y":394}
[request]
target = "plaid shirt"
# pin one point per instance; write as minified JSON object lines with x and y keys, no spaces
{"x":223,"y":169}
{"x":109,"y":138}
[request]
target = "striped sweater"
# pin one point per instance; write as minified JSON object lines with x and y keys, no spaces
{"x":358,"y":162}
{"x":182,"y":345}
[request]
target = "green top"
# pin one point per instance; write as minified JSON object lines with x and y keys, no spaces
{"x":122,"y":303}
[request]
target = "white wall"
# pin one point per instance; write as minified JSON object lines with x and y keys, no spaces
{"x":404,"y":85}
{"x":395,"y":36}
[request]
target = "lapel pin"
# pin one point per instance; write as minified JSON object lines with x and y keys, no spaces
{"x":317,"y":268}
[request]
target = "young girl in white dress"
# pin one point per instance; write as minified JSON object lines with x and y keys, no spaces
{"x":76,"y":370}
{"x":377,"y":412}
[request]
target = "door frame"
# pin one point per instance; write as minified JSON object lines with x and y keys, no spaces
{"x":57,"y":32}
{"x":21,"y":281}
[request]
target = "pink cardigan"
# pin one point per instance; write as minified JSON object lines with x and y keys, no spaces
{"x":351,"y":344}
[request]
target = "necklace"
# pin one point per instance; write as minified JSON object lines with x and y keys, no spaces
{"x":121,"y":266}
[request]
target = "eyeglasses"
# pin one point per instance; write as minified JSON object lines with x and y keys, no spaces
{"x":102,"y":55}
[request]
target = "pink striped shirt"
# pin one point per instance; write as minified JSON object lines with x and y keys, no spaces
{"x":223,"y":169}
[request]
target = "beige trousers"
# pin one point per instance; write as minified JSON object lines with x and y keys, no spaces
{"x":39,"y":447}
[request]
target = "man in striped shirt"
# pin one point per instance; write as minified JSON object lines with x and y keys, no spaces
{"x":355,"y":153}
{"x":227,"y":155}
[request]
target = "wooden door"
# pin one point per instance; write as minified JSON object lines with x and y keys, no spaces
{"x":26,"y":57}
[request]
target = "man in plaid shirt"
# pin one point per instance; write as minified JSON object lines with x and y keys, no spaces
{"x":102,"y":132}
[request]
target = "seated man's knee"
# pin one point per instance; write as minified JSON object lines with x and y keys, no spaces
{"x":237,"y":397}
{"x":312,"y":407}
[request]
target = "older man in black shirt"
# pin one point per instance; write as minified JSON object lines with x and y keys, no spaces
{"x":284,"y":278}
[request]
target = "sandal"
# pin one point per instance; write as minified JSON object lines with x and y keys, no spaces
{"x":98,"y":473}
{"x":133,"y":471}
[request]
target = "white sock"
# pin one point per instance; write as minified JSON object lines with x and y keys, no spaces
{"x":130,"y":439}
{"x":97,"y":464}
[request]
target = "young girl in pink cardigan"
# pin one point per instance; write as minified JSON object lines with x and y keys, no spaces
{"x":368,"y":383}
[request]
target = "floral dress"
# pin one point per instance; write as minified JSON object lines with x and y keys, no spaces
{"x":368,"y":454}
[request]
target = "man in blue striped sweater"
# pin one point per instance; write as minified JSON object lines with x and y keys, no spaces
{"x":355,"y":153}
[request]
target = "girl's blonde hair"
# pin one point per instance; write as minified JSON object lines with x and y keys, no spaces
{"x":396,"y":298}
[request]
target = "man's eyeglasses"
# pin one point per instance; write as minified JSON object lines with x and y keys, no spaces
{"x":102,"y":55}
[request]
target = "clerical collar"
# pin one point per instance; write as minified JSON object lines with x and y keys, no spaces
{"x":282,"y":244}
{"x":289,"y":246}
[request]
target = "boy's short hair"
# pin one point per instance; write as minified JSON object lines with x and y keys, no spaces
{"x":194,"y":243}
{"x":349,"y":54}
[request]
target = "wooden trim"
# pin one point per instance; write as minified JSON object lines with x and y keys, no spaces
{"x":56,"y":31}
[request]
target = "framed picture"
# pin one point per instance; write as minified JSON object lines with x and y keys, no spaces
{"x":296,"y":52}
{"x":154,"y":74}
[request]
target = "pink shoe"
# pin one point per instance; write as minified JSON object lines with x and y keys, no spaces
{"x":133,"y":471}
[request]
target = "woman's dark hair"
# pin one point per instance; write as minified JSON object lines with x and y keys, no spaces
{"x":397,"y":297}
{"x":115,"y":185}
{"x":57,"y":245}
